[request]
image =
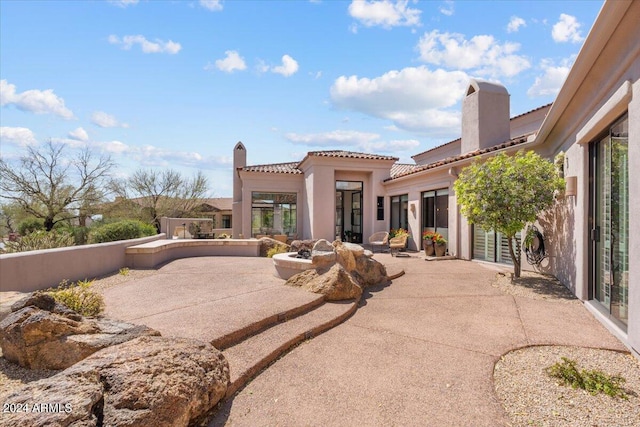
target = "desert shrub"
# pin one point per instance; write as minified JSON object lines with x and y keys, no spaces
{"x":121,"y":230}
{"x":40,"y":239}
{"x":78,"y":297}
{"x":593,"y":381}
{"x":30,"y":225}
{"x":224,"y":236}
{"x":124,"y":271}
{"x":278,"y":249}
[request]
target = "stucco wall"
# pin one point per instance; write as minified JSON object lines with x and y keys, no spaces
{"x":610,"y":87}
{"x":33,"y":270}
{"x":271,"y":183}
{"x":414,"y":186}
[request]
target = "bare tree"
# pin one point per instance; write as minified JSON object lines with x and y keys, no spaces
{"x":48,"y":185}
{"x":163,"y":193}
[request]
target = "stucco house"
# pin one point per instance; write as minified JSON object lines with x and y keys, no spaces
{"x":595,"y":121}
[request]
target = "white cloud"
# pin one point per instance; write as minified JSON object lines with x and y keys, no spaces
{"x":567,"y":29}
{"x":230,"y":63}
{"x":394,"y":146}
{"x":515,"y":23}
{"x":19,"y":136}
{"x":104,"y":120}
{"x":333,"y":139}
{"x":448,"y":8}
{"x":551,"y":81}
{"x":352,"y":140}
{"x":384,"y":13}
{"x":34,"y":101}
{"x":414,"y":98}
{"x":124,"y":3}
{"x":150,"y":155}
{"x":482,"y":54}
{"x":157,"y":46}
{"x":115,"y":147}
{"x":212,"y":5}
{"x":289,"y":66}
{"x":79,"y":134}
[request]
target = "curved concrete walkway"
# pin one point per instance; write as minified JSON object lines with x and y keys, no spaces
{"x":420,"y":351}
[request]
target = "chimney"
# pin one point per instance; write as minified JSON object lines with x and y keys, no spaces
{"x":485,"y":116}
{"x":239,"y":161}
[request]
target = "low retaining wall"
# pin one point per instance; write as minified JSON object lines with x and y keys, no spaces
{"x":34,"y":270}
{"x":152,"y":254}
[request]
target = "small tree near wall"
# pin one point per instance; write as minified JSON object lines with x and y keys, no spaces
{"x":504,"y":193}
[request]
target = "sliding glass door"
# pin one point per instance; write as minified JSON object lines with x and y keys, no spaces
{"x":610,"y":221}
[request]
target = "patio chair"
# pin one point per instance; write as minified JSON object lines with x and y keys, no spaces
{"x":381,"y":238}
{"x":397,"y":243}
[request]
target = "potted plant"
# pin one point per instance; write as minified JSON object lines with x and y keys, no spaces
{"x":440,"y":245}
{"x":427,"y":242}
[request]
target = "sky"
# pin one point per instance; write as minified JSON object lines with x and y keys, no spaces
{"x":176,"y":84}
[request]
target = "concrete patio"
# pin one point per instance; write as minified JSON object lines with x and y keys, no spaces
{"x":419,"y":351}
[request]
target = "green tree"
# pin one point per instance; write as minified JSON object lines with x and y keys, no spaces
{"x":504,"y":193}
{"x":49,"y":185}
{"x":163,"y":193}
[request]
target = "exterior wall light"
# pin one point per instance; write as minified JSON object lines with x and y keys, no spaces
{"x":571,"y":186}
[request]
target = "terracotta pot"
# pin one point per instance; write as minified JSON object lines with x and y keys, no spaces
{"x":428,"y":248}
{"x":440,"y":249}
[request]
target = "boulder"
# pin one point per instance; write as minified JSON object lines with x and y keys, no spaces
{"x":368,"y":271}
{"x":267,"y":243}
{"x":345,"y":256}
{"x":41,"y":339}
{"x":298,"y":245}
{"x":355,"y":249}
{"x":335,"y":283}
{"x":148,"y":381}
{"x":45,"y":302}
{"x":322,"y":246}
{"x":323,"y":259}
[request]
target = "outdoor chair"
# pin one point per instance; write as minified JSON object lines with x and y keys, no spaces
{"x":397,"y":243}
{"x":381,"y":238}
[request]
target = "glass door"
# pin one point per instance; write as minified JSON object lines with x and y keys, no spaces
{"x":610,"y":221}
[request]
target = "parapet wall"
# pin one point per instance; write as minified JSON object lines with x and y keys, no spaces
{"x":34,"y":270}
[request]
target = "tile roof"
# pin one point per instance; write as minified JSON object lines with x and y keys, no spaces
{"x":448,"y":160}
{"x":219,"y":203}
{"x":348,"y":154}
{"x":457,"y":140}
{"x":401,"y":169}
{"x":435,"y":148}
{"x":290,"y":168}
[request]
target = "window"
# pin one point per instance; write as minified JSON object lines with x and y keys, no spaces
{"x":493,"y":247}
{"x":400,"y":211}
{"x":273,"y":213}
{"x":380,"y":215}
{"x":226,"y":221}
{"x":435,"y":212}
{"x":609,"y":221}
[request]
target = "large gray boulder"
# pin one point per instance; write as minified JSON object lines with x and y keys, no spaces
{"x":335,"y":283}
{"x":341,"y":271}
{"x":298,"y":245}
{"x":41,"y":334}
{"x":267,"y":243}
{"x":148,"y":381}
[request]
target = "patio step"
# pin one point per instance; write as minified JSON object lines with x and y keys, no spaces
{"x":252,"y":355}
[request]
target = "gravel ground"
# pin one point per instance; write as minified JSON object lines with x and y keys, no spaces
{"x":532,"y":398}
{"x":535,"y":286}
